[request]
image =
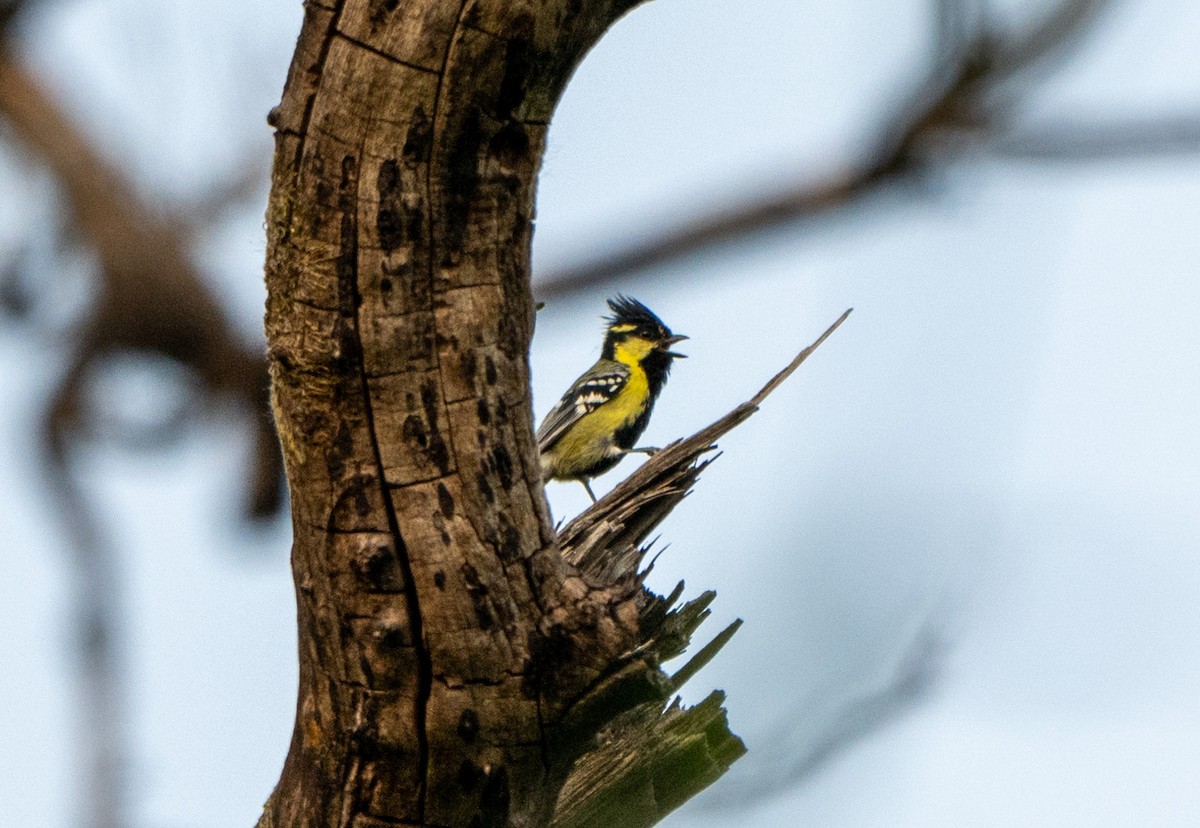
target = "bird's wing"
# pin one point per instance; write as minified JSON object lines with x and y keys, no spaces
{"x":599,"y":385}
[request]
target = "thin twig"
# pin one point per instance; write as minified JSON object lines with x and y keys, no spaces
{"x":778,"y":379}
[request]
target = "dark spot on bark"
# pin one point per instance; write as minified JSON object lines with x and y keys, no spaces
{"x":389,"y":217}
{"x":567,"y":11}
{"x":344,"y":359}
{"x":420,"y":135}
{"x":347,"y":265}
{"x":479,"y":598}
{"x":467,"y":367}
{"x":501,"y":412}
{"x":547,"y":651}
{"x":282,"y":358}
{"x":439,"y":579}
{"x":324,"y":193}
{"x":510,"y":148}
{"x":339,"y":451}
{"x":508,"y":546}
{"x":462,"y":178}
{"x":347,"y":182}
{"x":391,"y":636}
{"x":518,"y":62}
{"x":413,"y":430}
{"x":385,"y":285}
{"x":418,"y":333}
{"x":482,"y":412}
{"x":472,"y":18}
{"x":494,"y":800}
{"x":416,"y":224}
{"x":502,"y":462}
{"x":490,"y":374}
{"x":365,"y":737}
{"x":468,"y":726}
{"x":358,"y":489}
{"x":379,"y":10}
{"x":485,"y":488}
{"x":438,"y":453}
{"x":445,"y":500}
{"x":469,"y":775}
{"x":374,"y":566}
{"x":446,"y":539}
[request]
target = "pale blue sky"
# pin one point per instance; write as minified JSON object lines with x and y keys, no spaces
{"x":1001,"y":442}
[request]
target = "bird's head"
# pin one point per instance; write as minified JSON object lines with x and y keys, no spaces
{"x":636,"y":336}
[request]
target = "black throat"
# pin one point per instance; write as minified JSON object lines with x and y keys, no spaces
{"x":657,"y":365}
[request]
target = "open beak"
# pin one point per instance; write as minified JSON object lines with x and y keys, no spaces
{"x":668,"y":342}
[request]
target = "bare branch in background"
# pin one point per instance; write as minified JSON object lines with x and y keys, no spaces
{"x":152,"y":299}
{"x":1087,"y":142}
{"x":1048,"y":41}
{"x":980,"y":75}
{"x":100,"y":746}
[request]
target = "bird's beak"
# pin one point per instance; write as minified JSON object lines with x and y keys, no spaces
{"x":668,"y":342}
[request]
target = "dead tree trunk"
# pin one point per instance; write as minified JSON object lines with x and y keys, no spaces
{"x":455,"y":659}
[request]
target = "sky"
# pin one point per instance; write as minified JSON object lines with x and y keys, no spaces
{"x":987,"y":476}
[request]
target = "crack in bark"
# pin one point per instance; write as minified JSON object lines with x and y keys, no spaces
{"x":433,"y":207}
{"x":380,"y":53}
{"x":317,"y":69}
{"x":412,"y":599}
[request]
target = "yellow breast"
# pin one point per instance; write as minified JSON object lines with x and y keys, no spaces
{"x":591,"y":439}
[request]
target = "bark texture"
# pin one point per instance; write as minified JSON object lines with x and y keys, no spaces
{"x":453,"y":664}
{"x":461,"y":664}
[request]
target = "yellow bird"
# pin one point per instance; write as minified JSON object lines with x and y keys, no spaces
{"x":605,"y":411}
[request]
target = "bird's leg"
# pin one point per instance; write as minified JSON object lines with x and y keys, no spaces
{"x":649,"y":451}
{"x":583,"y":480}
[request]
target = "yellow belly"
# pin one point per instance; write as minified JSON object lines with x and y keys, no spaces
{"x":590,"y":441}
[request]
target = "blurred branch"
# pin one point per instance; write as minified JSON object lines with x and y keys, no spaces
{"x":965,"y":105}
{"x":9,"y":9}
{"x":1084,"y":141}
{"x":152,"y":296}
{"x":100,"y":743}
{"x":1049,"y":40}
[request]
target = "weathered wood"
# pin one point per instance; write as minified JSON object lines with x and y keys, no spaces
{"x":454,"y":663}
{"x":649,"y":762}
{"x":441,"y":634}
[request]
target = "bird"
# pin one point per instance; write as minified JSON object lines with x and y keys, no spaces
{"x":604,"y":412}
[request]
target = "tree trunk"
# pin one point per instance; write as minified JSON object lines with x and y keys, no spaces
{"x":453,"y":664}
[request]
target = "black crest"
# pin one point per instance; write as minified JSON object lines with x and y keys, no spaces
{"x":629,"y":311}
